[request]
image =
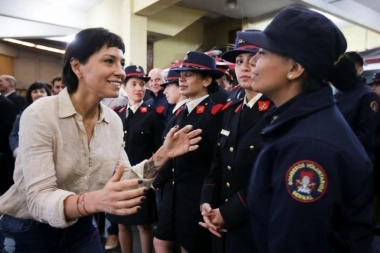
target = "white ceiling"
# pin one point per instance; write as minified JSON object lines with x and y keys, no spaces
{"x":42,"y":18}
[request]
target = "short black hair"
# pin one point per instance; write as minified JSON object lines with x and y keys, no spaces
{"x":34,"y":86}
{"x":56,"y":78}
{"x":86,"y":43}
{"x":214,"y":86}
{"x":355,"y":58}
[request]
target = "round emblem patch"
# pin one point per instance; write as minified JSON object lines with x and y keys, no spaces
{"x":374,"y":106}
{"x":306,"y":181}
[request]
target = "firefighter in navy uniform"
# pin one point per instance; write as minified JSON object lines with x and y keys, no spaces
{"x":223,"y":201}
{"x":143,"y":127}
{"x":179,"y":215}
{"x":175,"y":99}
{"x":311,"y":186}
{"x":360,"y":107}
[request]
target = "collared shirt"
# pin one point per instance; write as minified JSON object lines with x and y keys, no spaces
{"x":193,"y":103}
{"x":179,"y":104}
{"x":135,"y":107}
{"x":253,"y":101}
{"x":56,"y":160}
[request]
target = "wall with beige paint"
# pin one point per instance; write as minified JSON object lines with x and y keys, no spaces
{"x":217,"y":34}
{"x":173,"y":48}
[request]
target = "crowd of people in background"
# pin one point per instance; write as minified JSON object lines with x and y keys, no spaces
{"x":283,"y":152}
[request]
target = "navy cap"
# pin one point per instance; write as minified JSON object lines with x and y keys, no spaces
{"x":375,"y":79}
{"x":173,"y":77}
{"x":200,"y":62}
{"x":306,"y":36}
{"x":241,"y":47}
{"x":136,"y":71}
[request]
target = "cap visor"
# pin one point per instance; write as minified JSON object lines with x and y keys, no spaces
{"x":261,"y":40}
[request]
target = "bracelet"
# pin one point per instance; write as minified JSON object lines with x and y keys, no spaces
{"x":80,"y":214}
{"x":84,"y":207}
{"x":81,"y":202}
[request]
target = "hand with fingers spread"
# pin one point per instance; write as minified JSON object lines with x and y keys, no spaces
{"x":179,"y":142}
{"x":213,"y":220}
{"x":117,"y":198}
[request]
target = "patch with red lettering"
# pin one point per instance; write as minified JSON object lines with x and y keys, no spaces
{"x":200,"y":109}
{"x":216,"y":108}
{"x":263,"y":105}
{"x":143,"y":109}
{"x":306,"y":181}
{"x":160,"y":109}
{"x":374,"y":106}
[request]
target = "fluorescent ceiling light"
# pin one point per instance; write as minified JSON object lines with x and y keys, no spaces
{"x":28,"y":44}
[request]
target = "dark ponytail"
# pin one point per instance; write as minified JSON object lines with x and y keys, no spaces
{"x":344,"y":76}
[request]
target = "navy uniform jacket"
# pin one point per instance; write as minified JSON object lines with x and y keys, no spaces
{"x":220,"y":96}
{"x":239,"y":143}
{"x":180,"y":204}
{"x":161,"y":103}
{"x":142,"y":132}
{"x":311,"y":187}
{"x":18,"y":101}
{"x":360,"y":107}
{"x":237,"y":92}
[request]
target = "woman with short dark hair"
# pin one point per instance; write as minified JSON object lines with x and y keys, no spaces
{"x":72,"y":162}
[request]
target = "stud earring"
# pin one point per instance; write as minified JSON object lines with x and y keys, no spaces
{"x":290,"y":77}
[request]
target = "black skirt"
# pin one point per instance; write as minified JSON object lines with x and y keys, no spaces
{"x":147,"y":214}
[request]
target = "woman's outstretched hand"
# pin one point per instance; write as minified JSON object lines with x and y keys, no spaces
{"x":115,"y":199}
{"x":179,"y":142}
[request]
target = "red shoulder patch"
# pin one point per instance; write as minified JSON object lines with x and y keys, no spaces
{"x":143,"y":109}
{"x":226,"y":105}
{"x":263,"y":105}
{"x":216,"y":108}
{"x":235,"y":87}
{"x":238,"y":108}
{"x":160,"y":109}
{"x":200,"y":109}
{"x":122,"y":109}
{"x":306,"y":181}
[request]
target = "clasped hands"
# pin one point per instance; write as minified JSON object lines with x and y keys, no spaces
{"x":213,"y":220}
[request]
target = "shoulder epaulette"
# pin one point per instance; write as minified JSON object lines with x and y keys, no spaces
{"x":216,"y":108}
{"x":160,"y":109}
{"x":227,"y":105}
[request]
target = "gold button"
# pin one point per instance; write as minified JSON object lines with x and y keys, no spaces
{"x":142,"y":132}
{"x":218,"y":144}
{"x":123,"y":142}
{"x":228,"y":185}
{"x":231,"y":149}
{"x":226,"y":200}
{"x":173,"y":183}
{"x":251,"y":147}
{"x":125,"y":132}
{"x":173,"y":170}
{"x":229,"y":168}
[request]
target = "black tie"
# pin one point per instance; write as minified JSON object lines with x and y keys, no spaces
{"x":245,"y":118}
{"x":130,"y":113}
{"x":182,"y":116}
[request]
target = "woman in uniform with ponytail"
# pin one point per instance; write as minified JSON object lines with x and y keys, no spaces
{"x":311,"y":187}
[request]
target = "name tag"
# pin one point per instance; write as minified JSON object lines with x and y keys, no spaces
{"x":225,"y":132}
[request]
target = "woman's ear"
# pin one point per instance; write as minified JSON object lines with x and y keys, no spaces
{"x":295,"y":71}
{"x":75,"y":66}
